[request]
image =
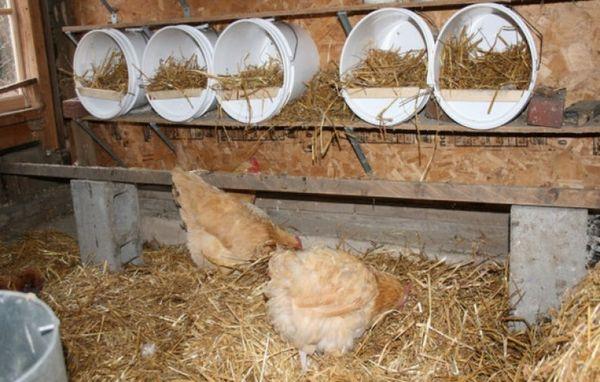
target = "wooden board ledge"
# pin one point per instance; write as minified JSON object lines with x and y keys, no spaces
{"x":375,"y":188}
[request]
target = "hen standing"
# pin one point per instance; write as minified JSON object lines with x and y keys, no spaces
{"x":323,"y":299}
{"x":222,"y":229}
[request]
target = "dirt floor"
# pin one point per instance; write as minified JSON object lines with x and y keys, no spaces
{"x":167,"y":320}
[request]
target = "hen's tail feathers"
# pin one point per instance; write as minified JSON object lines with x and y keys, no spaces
{"x":29,"y":280}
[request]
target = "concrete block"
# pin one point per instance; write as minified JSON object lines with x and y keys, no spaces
{"x":108,"y":222}
{"x":547,"y":256}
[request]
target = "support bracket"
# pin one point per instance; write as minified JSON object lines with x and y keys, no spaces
{"x":72,"y":38}
{"x":162,"y":136}
{"x":185,"y":7}
{"x":114,"y":18}
{"x":362,"y":158}
{"x":343,"y":18}
{"x":85,"y":127}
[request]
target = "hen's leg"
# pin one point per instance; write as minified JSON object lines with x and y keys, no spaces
{"x":303,"y":361}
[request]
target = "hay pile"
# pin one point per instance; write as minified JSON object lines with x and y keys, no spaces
{"x":253,"y":77}
{"x":568,"y":347}
{"x":321,"y":101}
{"x":389,"y":69}
{"x":167,"y":320}
{"x":111,"y":74}
{"x":466,"y":66}
{"x":178,"y":74}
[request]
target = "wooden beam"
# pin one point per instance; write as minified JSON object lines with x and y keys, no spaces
{"x":298,"y":13}
{"x":446,"y":192}
{"x":211,"y":119}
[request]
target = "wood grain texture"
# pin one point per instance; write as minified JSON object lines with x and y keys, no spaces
{"x":368,"y":188}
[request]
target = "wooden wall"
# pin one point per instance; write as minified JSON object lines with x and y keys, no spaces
{"x":571,"y":58}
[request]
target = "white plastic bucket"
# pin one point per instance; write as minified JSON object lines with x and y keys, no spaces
{"x":387,"y":29}
{"x":471,"y":108}
{"x":254,"y":42}
{"x":180,"y":42}
{"x":93,"y":48}
{"x":30,"y":335}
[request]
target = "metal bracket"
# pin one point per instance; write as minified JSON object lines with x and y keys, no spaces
{"x":72,"y":38}
{"x":147,"y":31}
{"x":112,"y":10}
{"x":185,"y":7}
{"x":362,"y":158}
{"x":84,"y":126}
{"x":162,"y":136}
{"x":343,"y":17}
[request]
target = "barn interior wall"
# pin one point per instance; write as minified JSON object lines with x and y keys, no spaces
{"x":570,"y":56}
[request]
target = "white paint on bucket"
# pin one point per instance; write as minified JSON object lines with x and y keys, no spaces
{"x":486,"y":21}
{"x":92,"y":49}
{"x":181,"y":42}
{"x":387,"y":29}
{"x":254,"y":42}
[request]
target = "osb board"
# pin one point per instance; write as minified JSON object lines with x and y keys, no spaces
{"x":571,"y":31}
{"x":527,"y":161}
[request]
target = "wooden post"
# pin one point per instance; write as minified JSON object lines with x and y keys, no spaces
{"x":547,"y":257}
{"x":108,"y":222}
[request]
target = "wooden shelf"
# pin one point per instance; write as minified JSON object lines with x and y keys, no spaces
{"x":359,"y":188}
{"x":517,"y":127}
{"x":299,"y":13}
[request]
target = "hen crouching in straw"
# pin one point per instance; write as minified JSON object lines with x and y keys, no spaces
{"x":322,"y":300}
{"x":222,"y":230}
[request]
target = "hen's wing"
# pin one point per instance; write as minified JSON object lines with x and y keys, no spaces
{"x":320,"y":298}
{"x":218,"y":224}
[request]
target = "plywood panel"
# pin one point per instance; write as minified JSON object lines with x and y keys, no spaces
{"x":526,"y":161}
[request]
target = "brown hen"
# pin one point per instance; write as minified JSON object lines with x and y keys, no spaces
{"x":222,"y":230}
{"x":322,"y":300}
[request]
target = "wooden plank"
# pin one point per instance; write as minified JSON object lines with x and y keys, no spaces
{"x":20,"y":116}
{"x":239,"y":94}
{"x":73,"y":109}
{"x":444,"y":192}
{"x":172,"y":94}
{"x":481,"y":95}
{"x":517,"y":127}
{"x":15,"y":135}
{"x":110,"y":95}
{"x":297,"y":13}
{"x":29,"y":14}
{"x":392,"y":93}
{"x":18,"y":85}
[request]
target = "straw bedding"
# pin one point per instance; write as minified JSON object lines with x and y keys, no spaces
{"x":111,"y":74}
{"x":167,"y":320}
{"x":466,"y":66}
{"x":321,"y":102}
{"x":178,"y":74}
{"x":253,"y":77}
{"x":389,"y":69}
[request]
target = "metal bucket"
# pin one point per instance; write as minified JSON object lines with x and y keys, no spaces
{"x":30,"y":347}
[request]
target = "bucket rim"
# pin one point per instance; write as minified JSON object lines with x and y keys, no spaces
{"x":527,"y":93}
{"x":55,"y":335}
{"x":208,"y":96}
{"x":285,"y":54}
{"x":428,"y":36}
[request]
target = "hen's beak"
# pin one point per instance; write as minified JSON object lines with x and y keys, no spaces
{"x":298,"y":243}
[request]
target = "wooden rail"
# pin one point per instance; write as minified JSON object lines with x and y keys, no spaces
{"x":365,"y":188}
{"x":425,"y":125}
{"x":299,"y":13}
